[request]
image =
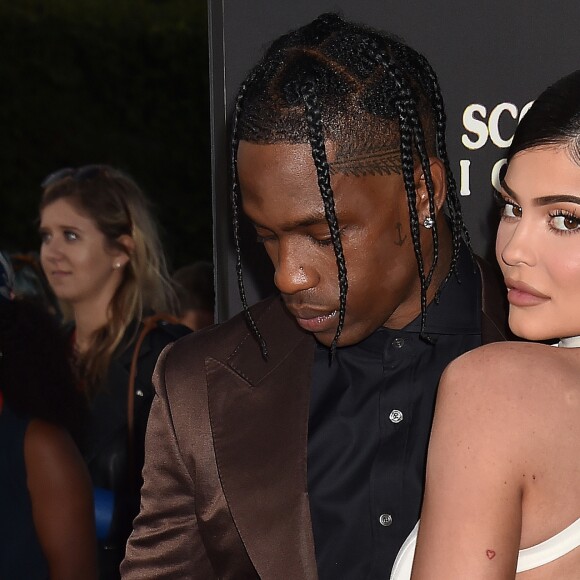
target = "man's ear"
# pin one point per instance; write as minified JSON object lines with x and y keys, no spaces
{"x":439,"y":186}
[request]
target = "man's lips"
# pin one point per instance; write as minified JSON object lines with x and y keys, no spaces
{"x":522,"y":294}
{"x":314,"y":320}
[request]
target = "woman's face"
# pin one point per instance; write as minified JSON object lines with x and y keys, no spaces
{"x":538,"y":243}
{"x":81,"y":267}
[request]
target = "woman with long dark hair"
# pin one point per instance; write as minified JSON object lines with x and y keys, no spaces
{"x":503,"y":477}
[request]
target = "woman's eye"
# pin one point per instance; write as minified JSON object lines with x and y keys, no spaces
{"x":44,"y":237}
{"x":565,"y":223}
{"x":511,"y":210}
{"x":70,"y":236}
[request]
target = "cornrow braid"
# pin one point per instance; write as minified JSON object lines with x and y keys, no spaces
{"x":419,"y":141}
{"x":314,"y":119}
{"x":458,"y":229}
{"x":235,"y":200}
{"x":369,"y":94}
{"x":405,"y":105}
{"x":411,"y":133}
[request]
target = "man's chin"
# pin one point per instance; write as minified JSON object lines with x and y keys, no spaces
{"x":346,"y":338}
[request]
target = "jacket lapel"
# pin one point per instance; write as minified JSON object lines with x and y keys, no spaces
{"x":259,"y":421}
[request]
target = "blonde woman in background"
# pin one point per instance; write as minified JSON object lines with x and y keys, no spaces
{"x":103,"y":259}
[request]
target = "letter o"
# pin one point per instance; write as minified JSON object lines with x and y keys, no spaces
{"x":495,"y":171}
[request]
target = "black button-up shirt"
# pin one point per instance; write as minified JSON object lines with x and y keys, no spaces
{"x":370,"y":418}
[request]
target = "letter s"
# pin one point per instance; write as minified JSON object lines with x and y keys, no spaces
{"x":474,"y":125}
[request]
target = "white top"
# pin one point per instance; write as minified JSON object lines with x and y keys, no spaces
{"x":528,"y":559}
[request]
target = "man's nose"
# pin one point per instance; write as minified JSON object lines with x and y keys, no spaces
{"x":294,"y":271}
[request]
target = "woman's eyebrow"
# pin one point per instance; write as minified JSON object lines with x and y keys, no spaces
{"x":548,"y":199}
{"x":510,"y":191}
{"x":544,"y":199}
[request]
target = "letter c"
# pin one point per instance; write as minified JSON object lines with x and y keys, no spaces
{"x":494,"y":124}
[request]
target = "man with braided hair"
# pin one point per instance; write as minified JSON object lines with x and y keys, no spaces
{"x":290,"y":442}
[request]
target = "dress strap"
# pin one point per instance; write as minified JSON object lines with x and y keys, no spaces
{"x":550,"y":550}
{"x":569,"y":342}
{"x":529,"y":558}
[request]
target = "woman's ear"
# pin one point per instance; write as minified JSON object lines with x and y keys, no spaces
{"x":439,"y":188}
{"x":125,"y":249}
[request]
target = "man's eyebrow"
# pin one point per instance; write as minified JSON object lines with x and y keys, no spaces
{"x":544,"y":199}
{"x":314,"y":220}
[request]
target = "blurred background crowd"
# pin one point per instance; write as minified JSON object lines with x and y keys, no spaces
{"x":106,"y":248}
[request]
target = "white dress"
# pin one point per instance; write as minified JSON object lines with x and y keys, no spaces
{"x":529,"y":558}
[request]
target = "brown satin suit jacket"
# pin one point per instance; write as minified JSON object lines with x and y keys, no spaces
{"x":225,"y":492}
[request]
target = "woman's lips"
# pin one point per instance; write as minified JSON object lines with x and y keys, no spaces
{"x":57,"y":275}
{"x":522,"y":294}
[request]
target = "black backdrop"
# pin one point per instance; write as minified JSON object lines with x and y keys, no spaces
{"x":492,"y":57}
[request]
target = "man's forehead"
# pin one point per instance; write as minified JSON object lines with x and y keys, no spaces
{"x":343,"y":159}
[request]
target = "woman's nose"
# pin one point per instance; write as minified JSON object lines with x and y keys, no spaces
{"x":515,"y":244}
{"x":51,"y":250}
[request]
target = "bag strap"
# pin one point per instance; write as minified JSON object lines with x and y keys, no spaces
{"x":148,"y":324}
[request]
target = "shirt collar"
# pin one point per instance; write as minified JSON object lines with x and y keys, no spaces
{"x":458,"y":310}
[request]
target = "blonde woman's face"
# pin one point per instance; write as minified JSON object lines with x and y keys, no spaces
{"x":79,"y":264}
{"x":538,"y":243}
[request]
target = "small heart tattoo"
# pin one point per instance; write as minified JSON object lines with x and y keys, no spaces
{"x":490,"y":554}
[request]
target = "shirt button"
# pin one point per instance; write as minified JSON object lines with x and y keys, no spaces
{"x":396,"y":416}
{"x":399,"y":342}
{"x":386,"y":520}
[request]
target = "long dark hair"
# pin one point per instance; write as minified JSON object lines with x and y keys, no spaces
{"x":375,"y":97}
{"x":553,"y":119}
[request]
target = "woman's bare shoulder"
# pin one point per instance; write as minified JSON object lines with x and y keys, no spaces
{"x":502,"y":363}
{"x":511,"y":383}
{"x":505,"y":352}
